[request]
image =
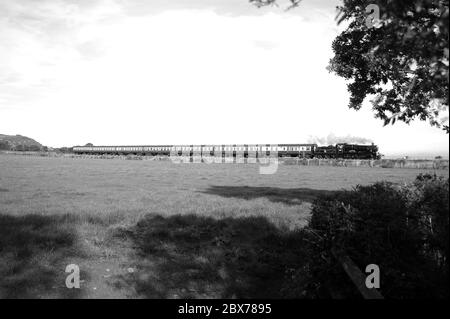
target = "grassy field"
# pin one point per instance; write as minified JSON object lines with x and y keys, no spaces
{"x":154,"y":229}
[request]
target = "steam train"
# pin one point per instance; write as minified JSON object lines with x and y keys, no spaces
{"x":340,"y":150}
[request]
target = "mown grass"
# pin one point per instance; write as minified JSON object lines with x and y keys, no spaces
{"x":147,"y":229}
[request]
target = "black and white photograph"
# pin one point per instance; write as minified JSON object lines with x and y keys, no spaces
{"x":235,"y":152}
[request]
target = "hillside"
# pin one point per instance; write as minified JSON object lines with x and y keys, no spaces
{"x":19,"y":143}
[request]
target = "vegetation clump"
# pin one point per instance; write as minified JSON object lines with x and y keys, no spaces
{"x":403,"y":229}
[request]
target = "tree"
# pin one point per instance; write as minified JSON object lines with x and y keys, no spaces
{"x":4,"y":145}
{"x":400,"y":59}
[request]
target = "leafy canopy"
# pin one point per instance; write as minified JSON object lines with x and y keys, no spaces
{"x":401,"y":60}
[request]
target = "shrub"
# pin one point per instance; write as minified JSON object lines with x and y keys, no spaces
{"x":402,"y":229}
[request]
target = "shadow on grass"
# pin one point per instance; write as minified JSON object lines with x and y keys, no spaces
{"x":288,"y":196}
{"x":188,"y":256}
{"x":33,"y":249}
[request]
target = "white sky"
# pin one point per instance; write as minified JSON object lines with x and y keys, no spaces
{"x":181,"y":72}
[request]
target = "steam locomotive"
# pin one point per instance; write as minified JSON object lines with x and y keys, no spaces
{"x":340,"y":150}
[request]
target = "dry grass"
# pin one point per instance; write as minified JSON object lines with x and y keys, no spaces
{"x":133,"y":226}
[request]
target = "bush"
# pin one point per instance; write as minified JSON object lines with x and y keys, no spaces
{"x":402,"y":229}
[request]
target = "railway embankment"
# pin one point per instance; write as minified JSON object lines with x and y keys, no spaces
{"x":383,"y":163}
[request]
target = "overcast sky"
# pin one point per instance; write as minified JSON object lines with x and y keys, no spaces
{"x":181,"y":72}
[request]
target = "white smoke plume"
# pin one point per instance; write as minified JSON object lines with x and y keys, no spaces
{"x":332,"y":139}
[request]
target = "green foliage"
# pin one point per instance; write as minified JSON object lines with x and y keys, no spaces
{"x":4,"y":146}
{"x":402,"y":60}
{"x":64,"y":149}
{"x":404,"y":230}
{"x":18,"y":143}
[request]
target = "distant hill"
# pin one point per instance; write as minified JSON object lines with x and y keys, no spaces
{"x":19,"y":143}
